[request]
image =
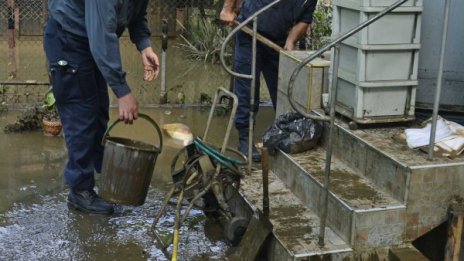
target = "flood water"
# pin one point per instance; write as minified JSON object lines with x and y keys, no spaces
{"x":186,"y":79}
{"x":35,"y":223}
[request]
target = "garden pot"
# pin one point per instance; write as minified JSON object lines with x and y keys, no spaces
{"x":51,"y":127}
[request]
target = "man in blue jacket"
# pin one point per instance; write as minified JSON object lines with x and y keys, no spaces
{"x":82,"y":47}
{"x":284,"y":24}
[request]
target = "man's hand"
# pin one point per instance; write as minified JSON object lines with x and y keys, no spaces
{"x":289,"y":46}
{"x":128,"y":111}
{"x":297,"y":31}
{"x":150,"y":64}
{"x":228,"y":14}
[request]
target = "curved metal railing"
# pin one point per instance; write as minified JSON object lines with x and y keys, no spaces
{"x":333,"y":97}
{"x":251,"y":77}
{"x":333,"y":90}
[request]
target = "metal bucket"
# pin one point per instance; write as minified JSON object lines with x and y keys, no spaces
{"x":127,"y":167}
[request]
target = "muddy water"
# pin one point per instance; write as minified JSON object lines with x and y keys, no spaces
{"x":186,"y":79}
{"x":35,"y":223}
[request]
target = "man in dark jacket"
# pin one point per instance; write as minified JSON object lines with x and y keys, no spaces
{"x":284,"y":24}
{"x":82,"y":47}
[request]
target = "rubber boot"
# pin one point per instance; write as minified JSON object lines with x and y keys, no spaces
{"x":243,"y":146}
{"x":88,"y":201}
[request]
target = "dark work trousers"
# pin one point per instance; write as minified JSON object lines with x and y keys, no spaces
{"x":267,"y":63}
{"x":82,"y":98}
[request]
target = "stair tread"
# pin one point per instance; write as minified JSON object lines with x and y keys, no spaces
{"x":349,"y":186}
{"x":295,"y":226}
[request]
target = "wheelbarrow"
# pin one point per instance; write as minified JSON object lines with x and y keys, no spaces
{"x":206,"y":180}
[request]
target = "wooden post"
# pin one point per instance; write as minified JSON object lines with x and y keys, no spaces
{"x":11,"y":40}
{"x":453,"y":249}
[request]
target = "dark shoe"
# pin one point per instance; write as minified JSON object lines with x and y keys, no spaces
{"x":88,"y":201}
{"x":243,"y":146}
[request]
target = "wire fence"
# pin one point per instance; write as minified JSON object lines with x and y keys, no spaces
{"x":23,"y":73}
{"x":23,"y":70}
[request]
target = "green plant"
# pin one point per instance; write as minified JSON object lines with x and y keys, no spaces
{"x":321,"y":28}
{"x":204,"y":39}
{"x":50,"y":109}
{"x":205,"y":99}
{"x":3,"y":89}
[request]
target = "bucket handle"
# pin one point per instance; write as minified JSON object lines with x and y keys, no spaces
{"x":143,"y":116}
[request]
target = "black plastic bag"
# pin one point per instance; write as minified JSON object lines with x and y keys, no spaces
{"x":292,"y":133}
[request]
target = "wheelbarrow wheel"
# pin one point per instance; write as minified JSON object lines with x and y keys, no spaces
{"x":235,"y":229}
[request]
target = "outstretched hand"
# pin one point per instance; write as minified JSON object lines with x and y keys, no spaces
{"x":150,"y":62}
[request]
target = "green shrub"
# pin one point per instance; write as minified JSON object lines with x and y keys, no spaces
{"x":203,"y":40}
{"x":321,"y":28}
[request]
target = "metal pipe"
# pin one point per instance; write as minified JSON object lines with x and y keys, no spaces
{"x":177,"y":224}
{"x":436,"y":103}
{"x":328,"y":158}
{"x":164,"y":48}
{"x":231,"y":118}
{"x":163,"y":207}
{"x":233,"y":32}
{"x":251,"y":121}
{"x":316,"y":54}
{"x":251,"y":77}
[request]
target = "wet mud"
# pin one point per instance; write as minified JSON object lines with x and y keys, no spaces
{"x":36,"y":224}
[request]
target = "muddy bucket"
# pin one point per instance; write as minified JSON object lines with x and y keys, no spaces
{"x":127,"y":167}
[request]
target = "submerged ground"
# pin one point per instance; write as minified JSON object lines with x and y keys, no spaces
{"x":35,"y":223}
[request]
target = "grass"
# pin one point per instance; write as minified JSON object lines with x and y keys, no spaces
{"x":203,"y":40}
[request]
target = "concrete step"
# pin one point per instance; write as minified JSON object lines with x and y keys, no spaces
{"x":375,"y":155}
{"x":425,"y":186}
{"x":359,"y":212}
{"x":408,"y":253}
{"x":296,"y":227}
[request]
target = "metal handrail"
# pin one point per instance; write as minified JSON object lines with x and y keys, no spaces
{"x":333,"y":92}
{"x":251,"y":77}
{"x":333,"y":98}
{"x":436,"y":103}
{"x":234,"y":31}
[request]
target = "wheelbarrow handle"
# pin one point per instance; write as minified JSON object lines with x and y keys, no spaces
{"x":143,"y":116}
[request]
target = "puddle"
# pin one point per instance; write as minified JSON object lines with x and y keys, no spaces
{"x":35,"y":223}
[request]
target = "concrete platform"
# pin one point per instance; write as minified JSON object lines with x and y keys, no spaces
{"x":382,"y":193}
{"x":425,"y":187}
{"x":357,"y":210}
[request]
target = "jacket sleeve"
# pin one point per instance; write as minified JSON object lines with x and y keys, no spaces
{"x":138,"y":27}
{"x":307,"y":15}
{"x":101,"y":24}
